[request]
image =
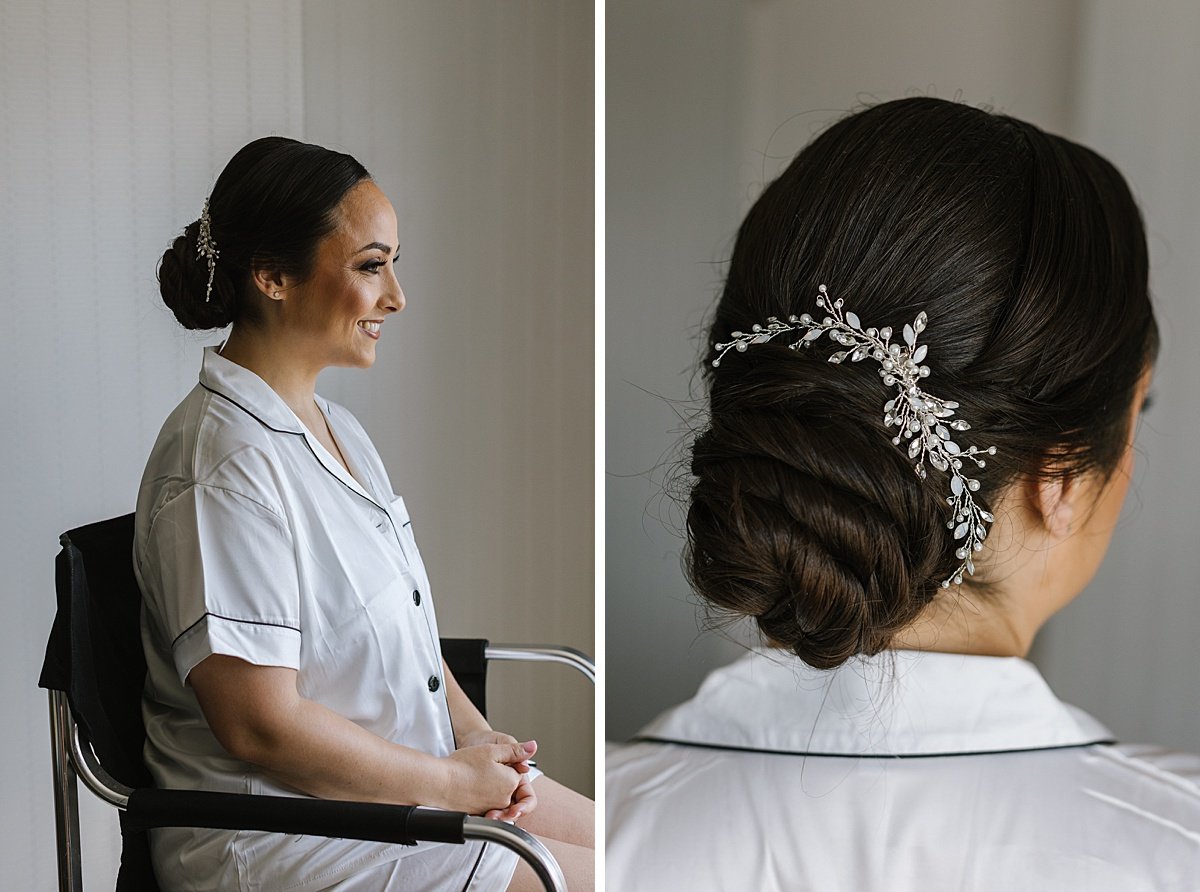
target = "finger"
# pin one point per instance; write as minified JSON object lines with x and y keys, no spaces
{"x":514,"y":754}
{"x":513,"y":812}
{"x":525,"y":798}
{"x":524,"y":795}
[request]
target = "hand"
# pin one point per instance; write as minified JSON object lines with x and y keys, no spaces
{"x":485,"y":776}
{"x":524,"y":801}
{"x":487,"y":735}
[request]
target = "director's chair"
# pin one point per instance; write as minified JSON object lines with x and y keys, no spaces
{"x":94,"y":671}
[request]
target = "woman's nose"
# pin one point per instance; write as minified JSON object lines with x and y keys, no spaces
{"x":393,"y":299}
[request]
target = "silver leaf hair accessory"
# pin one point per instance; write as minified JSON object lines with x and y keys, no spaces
{"x":923,"y":419}
{"x":206,"y":247}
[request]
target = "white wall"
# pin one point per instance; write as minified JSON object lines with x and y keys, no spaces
{"x":705,"y":109}
{"x":115,"y":118}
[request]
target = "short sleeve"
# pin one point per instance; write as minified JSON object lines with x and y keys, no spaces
{"x":224,"y":579}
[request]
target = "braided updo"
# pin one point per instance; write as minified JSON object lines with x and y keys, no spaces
{"x":1028,"y":254}
{"x":270,"y":207}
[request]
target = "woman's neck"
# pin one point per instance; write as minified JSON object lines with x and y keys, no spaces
{"x":963,"y":621}
{"x":283,"y":369}
{"x":1029,"y":576}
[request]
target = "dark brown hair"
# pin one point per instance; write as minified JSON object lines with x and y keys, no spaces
{"x":270,"y":207}
{"x":1028,"y":254}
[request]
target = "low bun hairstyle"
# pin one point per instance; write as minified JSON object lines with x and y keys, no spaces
{"x":270,"y":207}
{"x":1028,"y":254}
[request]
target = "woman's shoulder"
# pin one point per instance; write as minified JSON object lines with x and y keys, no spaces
{"x":207,"y":441}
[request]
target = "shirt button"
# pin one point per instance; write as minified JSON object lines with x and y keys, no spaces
{"x":434,"y":683}
{"x":417,"y":598}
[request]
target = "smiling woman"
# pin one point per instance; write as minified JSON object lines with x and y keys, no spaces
{"x":290,"y":636}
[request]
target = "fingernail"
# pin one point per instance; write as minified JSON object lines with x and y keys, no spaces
{"x":530,"y":746}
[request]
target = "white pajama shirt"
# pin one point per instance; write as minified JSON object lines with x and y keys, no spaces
{"x":252,"y":540}
{"x":905,"y":772}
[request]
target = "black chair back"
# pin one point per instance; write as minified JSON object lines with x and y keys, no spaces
{"x":95,"y":655}
{"x":467,"y":659}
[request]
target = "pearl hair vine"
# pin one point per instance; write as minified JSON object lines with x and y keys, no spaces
{"x":923,"y":419}
{"x":206,"y":247}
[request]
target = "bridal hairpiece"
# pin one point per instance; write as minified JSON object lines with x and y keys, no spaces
{"x":922,"y":418}
{"x":206,"y":247}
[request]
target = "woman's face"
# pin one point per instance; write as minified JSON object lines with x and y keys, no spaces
{"x":337,"y":314}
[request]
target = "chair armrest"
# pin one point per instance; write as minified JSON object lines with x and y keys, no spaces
{"x":543,"y":653}
{"x":403,"y":824}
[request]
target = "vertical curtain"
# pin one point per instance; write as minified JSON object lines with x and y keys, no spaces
{"x":115,"y":118}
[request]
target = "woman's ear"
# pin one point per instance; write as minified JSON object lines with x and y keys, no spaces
{"x":1054,"y":498}
{"x":271,"y":283}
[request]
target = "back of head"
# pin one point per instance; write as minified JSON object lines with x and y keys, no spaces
{"x":1027,"y":253}
{"x":271,"y":205}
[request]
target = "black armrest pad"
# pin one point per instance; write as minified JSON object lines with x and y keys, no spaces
{"x":404,"y":824}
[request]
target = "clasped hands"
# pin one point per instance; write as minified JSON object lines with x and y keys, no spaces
{"x":497,"y":770}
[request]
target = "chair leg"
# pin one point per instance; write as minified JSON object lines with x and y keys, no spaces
{"x":66,"y":797}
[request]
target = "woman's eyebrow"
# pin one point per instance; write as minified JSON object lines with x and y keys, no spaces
{"x":377,"y":246}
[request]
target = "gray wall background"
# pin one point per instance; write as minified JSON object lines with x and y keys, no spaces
{"x":477,"y":120}
{"x":706,"y":102}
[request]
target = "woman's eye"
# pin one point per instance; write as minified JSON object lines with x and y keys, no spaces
{"x":374,"y":266}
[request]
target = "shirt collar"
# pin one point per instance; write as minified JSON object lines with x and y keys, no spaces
{"x":251,"y":393}
{"x":897,"y":703}
{"x":255,"y":396}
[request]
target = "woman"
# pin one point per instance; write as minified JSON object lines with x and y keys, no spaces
{"x":290,"y":636}
{"x":899,"y":502}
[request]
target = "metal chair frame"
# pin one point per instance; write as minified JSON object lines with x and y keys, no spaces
{"x":75,"y":759}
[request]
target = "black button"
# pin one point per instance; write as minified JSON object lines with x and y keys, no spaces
{"x":434,"y":683}
{"x":417,"y":598}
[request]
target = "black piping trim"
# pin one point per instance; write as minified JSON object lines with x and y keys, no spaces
{"x":344,"y":483}
{"x":752,"y":749}
{"x":475,"y":869}
{"x":252,"y":622}
{"x":278,"y":430}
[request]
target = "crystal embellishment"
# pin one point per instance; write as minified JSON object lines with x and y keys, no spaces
{"x":207,"y":248}
{"x":921,"y":418}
